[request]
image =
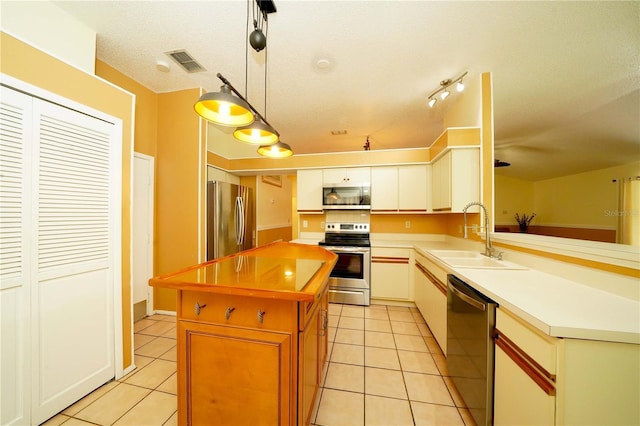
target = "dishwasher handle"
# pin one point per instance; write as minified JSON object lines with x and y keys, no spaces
{"x":468,"y":299}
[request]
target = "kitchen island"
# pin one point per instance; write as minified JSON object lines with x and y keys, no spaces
{"x":252,"y":335}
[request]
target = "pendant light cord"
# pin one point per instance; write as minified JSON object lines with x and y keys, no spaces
{"x":266,"y":64}
{"x":246,"y":54}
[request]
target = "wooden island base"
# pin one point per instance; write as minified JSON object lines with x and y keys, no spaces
{"x":252,"y":335}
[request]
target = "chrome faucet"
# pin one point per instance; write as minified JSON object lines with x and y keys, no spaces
{"x":488,"y":249}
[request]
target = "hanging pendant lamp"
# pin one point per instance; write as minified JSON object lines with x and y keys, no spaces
{"x":277,"y":150}
{"x":256,"y":133}
{"x":224,"y":109}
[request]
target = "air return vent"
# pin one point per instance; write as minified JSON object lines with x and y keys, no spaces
{"x":185,"y":60}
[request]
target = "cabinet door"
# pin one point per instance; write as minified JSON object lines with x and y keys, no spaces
{"x":309,"y":191}
{"x":441,"y":188}
{"x":334,"y":176}
{"x":358,"y":174}
{"x":232,"y":375}
{"x":412,"y":189}
{"x":464,"y":179}
{"x":384,"y":189}
{"x":433,"y":304}
{"x":309,"y":367}
{"x":517,"y":398}
{"x":390,"y":274}
{"x":343,"y":175}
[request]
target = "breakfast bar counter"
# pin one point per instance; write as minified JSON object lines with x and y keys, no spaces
{"x":252,"y":335}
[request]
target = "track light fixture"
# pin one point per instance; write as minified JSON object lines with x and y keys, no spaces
{"x":443,"y":90}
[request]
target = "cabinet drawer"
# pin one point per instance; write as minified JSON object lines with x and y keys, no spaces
{"x":239,"y":311}
{"x":390,"y":255}
{"x":538,"y":347}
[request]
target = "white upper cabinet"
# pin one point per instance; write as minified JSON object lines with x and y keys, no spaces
{"x":413,"y":189}
{"x":402,"y":189}
{"x":456,"y":180}
{"x":309,"y":191}
{"x":384,"y":189}
{"x":345,"y":176}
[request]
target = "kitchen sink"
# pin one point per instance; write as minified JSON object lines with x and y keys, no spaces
{"x":471,"y":259}
{"x":454,"y":253}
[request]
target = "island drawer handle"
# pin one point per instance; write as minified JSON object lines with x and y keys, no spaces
{"x":261,"y":314}
{"x":197,"y":307}
{"x":227,"y":313}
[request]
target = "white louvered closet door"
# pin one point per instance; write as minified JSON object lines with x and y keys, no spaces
{"x":15,"y":264}
{"x":70,"y":229}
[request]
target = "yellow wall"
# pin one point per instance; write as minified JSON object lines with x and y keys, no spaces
{"x":581,"y":200}
{"x":180,"y":178}
{"x":515,"y":196}
{"x":25,"y":63}
{"x":146,"y":113}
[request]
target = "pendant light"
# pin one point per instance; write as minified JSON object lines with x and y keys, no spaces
{"x":277,"y":150}
{"x":259,"y":132}
{"x":256,"y":133}
{"x":224,"y":109}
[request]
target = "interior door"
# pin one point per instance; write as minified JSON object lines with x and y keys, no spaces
{"x":142,"y":236}
{"x":76,"y":247}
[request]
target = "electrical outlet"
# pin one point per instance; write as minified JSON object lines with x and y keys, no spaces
{"x":305,"y":224}
{"x":407,"y":224}
{"x":322,"y":225}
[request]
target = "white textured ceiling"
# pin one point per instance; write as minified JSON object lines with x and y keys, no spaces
{"x":566,"y":74}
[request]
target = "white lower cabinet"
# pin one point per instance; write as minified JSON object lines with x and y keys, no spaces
{"x":390,"y":273}
{"x":431,"y":297}
{"x":542,"y":380}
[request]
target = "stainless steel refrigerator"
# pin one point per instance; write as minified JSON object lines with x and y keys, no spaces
{"x":229,"y":219}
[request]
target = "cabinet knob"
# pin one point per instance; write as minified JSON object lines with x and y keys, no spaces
{"x":197,"y":307}
{"x":261,"y":315}
{"x":228,"y":312}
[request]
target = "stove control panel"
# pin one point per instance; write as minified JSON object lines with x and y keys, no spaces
{"x":347,"y":227}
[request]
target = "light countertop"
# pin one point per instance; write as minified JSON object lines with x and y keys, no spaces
{"x":556,"y":306}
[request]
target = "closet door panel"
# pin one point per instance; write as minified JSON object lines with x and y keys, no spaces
{"x":15,"y":185}
{"x":72,"y":293}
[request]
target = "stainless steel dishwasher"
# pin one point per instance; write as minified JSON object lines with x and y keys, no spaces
{"x":471,"y":318}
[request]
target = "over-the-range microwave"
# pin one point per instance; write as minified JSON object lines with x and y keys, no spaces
{"x":350,"y":196}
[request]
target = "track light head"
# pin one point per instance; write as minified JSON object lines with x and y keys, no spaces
{"x":460,"y":86}
{"x":432,"y":102}
{"x":444,"y":95}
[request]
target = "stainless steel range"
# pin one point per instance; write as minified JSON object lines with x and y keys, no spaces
{"x":350,"y":279}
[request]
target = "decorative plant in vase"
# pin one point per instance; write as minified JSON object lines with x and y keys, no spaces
{"x":524,"y":221}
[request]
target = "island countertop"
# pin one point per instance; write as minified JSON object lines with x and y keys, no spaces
{"x":282,"y":270}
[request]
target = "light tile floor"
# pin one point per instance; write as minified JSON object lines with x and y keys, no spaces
{"x":385,"y":368}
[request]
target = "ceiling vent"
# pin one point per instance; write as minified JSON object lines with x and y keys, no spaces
{"x":185,"y":60}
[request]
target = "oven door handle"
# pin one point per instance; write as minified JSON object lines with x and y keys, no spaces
{"x":333,"y":290}
{"x":347,"y":249}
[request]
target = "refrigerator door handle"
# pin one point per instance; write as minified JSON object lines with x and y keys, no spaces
{"x":239,"y":221}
